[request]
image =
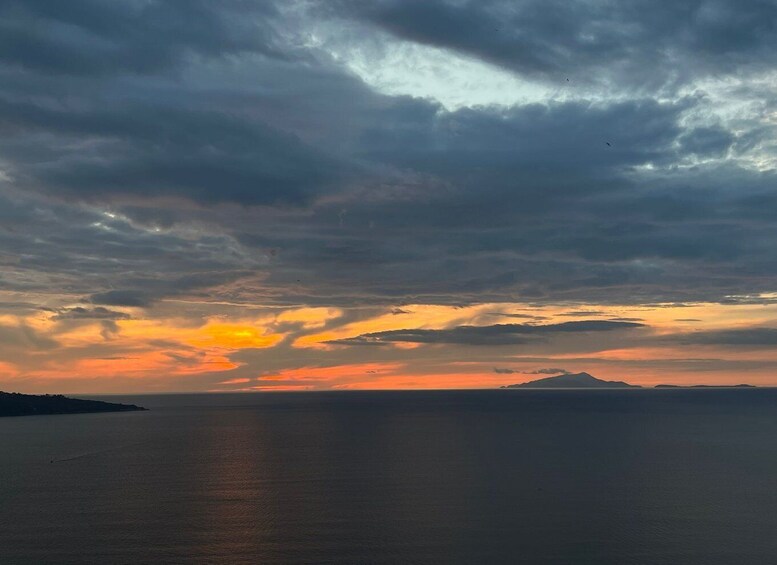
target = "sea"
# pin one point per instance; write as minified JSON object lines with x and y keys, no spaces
{"x":669,"y":476}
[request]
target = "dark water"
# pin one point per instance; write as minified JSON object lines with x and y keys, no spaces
{"x":565,"y":477}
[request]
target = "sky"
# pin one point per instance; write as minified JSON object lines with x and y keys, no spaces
{"x":245,"y":195}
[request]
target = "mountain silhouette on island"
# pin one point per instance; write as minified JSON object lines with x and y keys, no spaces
{"x":572,"y":380}
{"x":586,"y":380}
{"x":16,"y":404}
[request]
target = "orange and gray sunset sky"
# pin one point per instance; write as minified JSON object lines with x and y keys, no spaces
{"x":246,"y":196}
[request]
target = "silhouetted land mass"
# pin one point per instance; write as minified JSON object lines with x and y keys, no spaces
{"x":15,"y":404}
{"x":706,"y":386}
{"x":575,"y":380}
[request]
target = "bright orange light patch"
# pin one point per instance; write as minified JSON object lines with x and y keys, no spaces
{"x":232,"y":336}
{"x":235,"y":382}
{"x":310,"y":318}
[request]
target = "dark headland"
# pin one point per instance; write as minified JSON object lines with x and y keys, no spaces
{"x":15,"y":404}
{"x":574,"y":380}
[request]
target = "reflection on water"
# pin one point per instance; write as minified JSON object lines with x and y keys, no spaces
{"x":594,"y":477}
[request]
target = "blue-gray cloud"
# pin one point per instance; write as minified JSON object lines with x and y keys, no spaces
{"x":96,"y":313}
{"x":90,"y":37}
{"x":499,"y":334}
{"x":747,"y":337}
{"x":638,"y":43}
{"x":239,"y":161}
{"x":548,"y":371}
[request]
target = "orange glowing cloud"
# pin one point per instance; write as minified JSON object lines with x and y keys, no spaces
{"x":235,"y":381}
{"x":171,"y":345}
{"x":7,"y":370}
{"x":374,"y":376}
{"x":333,"y":372}
{"x":310,"y":318}
{"x":233,"y":336}
{"x":214,"y":333}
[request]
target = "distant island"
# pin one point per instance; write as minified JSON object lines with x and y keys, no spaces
{"x":15,"y":404}
{"x":573,"y":380}
{"x":706,"y":386}
{"x":586,"y":380}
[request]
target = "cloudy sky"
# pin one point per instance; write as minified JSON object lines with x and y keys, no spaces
{"x":248,"y":195}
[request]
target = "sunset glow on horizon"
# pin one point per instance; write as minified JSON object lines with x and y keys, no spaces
{"x":415,"y":346}
{"x":345,"y":195}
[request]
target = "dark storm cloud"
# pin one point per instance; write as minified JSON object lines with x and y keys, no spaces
{"x":72,"y":251}
{"x":707,"y":141}
{"x":153,"y":150}
{"x":93,"y":95}
{"x":568,"y":208}
{"x":639,"y":43}
{"x":500,"y":334}
{"x":157,"y":137}
{"x":545,"y":145}
{"x":246,"y":166}
{"x":93,"y":37}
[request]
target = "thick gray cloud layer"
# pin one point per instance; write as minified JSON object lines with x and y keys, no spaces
{"x":642,"y":43}
{"x":240,"y":162}
{"x":90,"y":37}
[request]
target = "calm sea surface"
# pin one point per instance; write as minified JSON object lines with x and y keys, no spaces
{"x":562,"y":477}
